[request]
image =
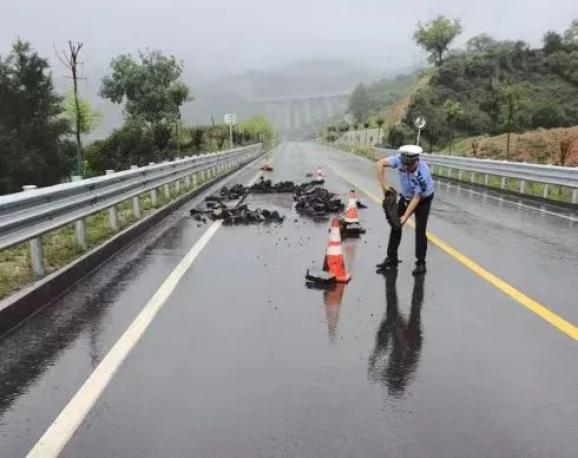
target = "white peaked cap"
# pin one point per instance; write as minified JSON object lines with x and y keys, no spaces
{"x":412,"y":149}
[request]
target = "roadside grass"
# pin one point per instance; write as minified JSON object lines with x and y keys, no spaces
{"x":60,"y":246}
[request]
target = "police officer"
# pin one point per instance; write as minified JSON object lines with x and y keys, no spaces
{"x":416,"y":196}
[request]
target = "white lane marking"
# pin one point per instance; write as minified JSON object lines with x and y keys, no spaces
{"x":528,"y":207}
{"x":63,"y":427}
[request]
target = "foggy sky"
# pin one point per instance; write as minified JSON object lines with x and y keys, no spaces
{"x":218,"y":37}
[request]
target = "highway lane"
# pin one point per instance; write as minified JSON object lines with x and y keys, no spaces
{"x":248,"y":362}
{"x":243,"y":360}
{"x":45,"y":360}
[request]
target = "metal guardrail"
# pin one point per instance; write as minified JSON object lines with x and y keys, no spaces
{"x":26,"y":215}
{"x":549,"y":175}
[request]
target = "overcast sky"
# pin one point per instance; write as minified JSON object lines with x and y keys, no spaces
{"x":214,"y":37}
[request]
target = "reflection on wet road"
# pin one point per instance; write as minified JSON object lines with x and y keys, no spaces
{"x":395,"y":358}
{"x":244,"y":360}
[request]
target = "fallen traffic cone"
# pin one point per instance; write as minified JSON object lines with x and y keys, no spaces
{"x":334,"y":262}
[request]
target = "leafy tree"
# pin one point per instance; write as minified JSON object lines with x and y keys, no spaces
{"x":453,"y":111}
{"x":436,"y":36}
{"x":553,"y":43}
{"x":33,"y":149}
{"x":258,"y":129}
{"x":512,"y":106}
{"x":399,"y":135}
{"x":379,"y":122}
{"x":359,"y":102}
{"x":132,"y":144}
{"x":549,"y":115}
{"x":151,"y":89}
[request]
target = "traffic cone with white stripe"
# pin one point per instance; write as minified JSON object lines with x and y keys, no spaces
{"x":351,"y":215}
{"x":350,"y":226}
{"x":318,"y":177}
{"x":334,"y":262}
{"x":267,"y":167}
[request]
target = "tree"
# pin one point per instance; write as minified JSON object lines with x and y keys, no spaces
{"x":512,"y":105}
{"x":73,"y":111}
{"x":552,"y":43}
{"x":151,"y":90}
{"x":132,"y":144}
{"x":379,"y":122}
{"x":436,"y":36}
{"x":359,"y":102}
{"x":258,"y":129}
{"x":453,"y":111}
{"x":366,"y":125}
{"x":33,"y":149}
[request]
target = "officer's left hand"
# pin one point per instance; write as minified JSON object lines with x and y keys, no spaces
{"x":403,"y":219}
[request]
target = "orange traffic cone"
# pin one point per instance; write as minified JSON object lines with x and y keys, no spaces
{"x":318,"y":178}
{"x":351,"y":211}
{"x":267,"y":167}
{"x":334,"y":262}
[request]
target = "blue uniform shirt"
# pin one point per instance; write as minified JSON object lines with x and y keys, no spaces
{"x":419,"y":182}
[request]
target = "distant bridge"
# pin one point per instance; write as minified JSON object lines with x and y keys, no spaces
{"x":299,"y":114}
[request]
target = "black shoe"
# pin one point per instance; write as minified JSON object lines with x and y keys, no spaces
{"x":419,"y":269}
{"x":389,"y":263}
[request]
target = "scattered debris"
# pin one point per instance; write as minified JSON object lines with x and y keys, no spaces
{"x":316,"y":202}
{"x":318,"y":279}
{"x":267,"y":187}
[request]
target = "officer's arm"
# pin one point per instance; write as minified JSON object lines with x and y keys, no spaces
{"x":380,"y":167}
{"x":413,"y":203}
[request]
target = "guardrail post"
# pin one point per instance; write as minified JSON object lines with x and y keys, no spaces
{"x":188,"y":181}
{"x":486,"y":180}
{"x":195,"y":179}
{"x":167,"y":190}
{"x":37,"y":256}
{"x":112,"y":211}
{"x":135,"y":200}
{"x":80,"y":226}
{"x":546,"y":191}
{"x":473,"y":177}
{"x":460,"y":173}
{"x":177,"y":186}
{"x":522,"y":186}
{"x":35,"y":247}
{"x":503,"y":183}
{"x":575,"y":196}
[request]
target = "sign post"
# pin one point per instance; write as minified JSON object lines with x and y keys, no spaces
{"x":419,"y":122}
{"x":231,"y":120}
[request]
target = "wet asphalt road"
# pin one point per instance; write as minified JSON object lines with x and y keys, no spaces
{"x":244,"y":361}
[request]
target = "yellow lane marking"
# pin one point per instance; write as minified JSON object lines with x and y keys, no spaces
{"x":546,"y":314}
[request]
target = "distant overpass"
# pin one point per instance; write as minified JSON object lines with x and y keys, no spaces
{"x":295,"y":115}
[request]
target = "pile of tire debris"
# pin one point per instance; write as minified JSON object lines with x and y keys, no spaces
{"x":311,"y":200}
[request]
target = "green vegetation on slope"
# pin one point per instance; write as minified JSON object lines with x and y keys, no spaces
{"x":494,"y":87}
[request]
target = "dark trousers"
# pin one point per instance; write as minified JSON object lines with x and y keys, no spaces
{"x":421,"y":216}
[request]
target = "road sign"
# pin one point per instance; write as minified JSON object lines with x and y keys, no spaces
{"x":420,"y":122}
{"x":231,"y":119}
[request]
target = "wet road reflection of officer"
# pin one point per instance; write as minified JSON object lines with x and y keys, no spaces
{"x":398,"y":342}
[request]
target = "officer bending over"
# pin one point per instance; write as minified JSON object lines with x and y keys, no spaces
{"x":416,"y":196}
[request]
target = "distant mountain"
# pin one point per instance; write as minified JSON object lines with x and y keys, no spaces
{"x":246,"y":92}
